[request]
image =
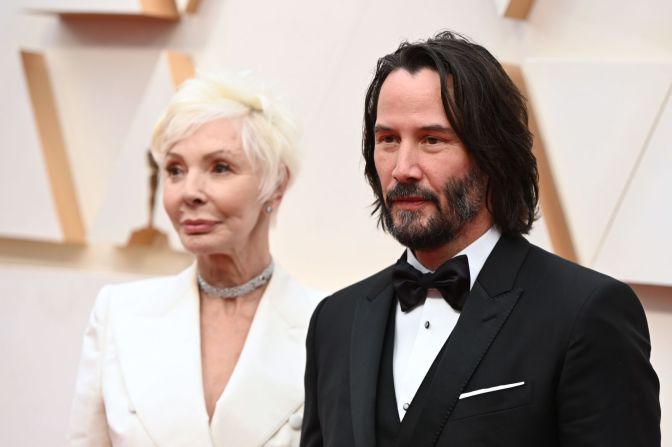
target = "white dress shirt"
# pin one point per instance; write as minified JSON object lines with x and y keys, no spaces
{"x":420,"y":334}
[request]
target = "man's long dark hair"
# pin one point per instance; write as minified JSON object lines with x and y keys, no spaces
{"x":486,"y":111}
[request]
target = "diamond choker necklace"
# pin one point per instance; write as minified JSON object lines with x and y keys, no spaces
{"x":243,"y":289}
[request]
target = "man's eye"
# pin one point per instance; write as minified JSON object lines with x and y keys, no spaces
{"x":432,"y":140}
{"x":220,"y":168}
{"x":387,"y":139}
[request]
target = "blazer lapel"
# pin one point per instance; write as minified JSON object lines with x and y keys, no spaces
{"x":269,"y":370}
{"x":488,"y":306}
{"x":159,"y":353}
{"x":368,"y":333}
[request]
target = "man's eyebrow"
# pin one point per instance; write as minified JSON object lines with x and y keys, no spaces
{"x":439,"y":128}
{"x":431,"y":127}
{"x":381,"y":128}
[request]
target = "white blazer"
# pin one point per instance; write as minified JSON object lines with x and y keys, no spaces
{"x":140,"y":380}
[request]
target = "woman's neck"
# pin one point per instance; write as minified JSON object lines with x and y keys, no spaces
{"x":230,"y":270}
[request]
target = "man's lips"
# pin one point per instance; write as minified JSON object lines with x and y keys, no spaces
{"x":197,"y":226}
{"x":410,"y":202}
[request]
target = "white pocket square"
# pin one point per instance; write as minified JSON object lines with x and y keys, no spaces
{"x":490,"y":390}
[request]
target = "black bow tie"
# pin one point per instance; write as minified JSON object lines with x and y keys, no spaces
{"x":451,"y":279}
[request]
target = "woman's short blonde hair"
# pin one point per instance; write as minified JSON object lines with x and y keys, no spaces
{"x":268,"y":132}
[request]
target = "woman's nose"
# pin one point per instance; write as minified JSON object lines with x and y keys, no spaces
{"x":194,"y":189}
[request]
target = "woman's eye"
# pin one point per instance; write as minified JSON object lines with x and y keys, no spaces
{"x":173,"y":170}
{"x":220,"y":168}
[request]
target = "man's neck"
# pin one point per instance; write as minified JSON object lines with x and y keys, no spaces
{"x":474,"y":229}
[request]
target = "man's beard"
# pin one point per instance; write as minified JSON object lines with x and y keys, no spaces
{"x":464,"y":198}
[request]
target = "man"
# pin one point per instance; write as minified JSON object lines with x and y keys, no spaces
{"x":504,"y":344}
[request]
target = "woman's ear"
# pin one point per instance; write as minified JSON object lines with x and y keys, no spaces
{"x":279,"y":192}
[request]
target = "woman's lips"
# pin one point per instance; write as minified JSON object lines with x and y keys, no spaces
{"x":197,"y":226}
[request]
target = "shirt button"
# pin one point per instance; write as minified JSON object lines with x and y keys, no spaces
{"x":427,"y":324}
{"x":405,"y":406}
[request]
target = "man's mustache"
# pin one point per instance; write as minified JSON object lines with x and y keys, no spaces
{"x":405,"y":190}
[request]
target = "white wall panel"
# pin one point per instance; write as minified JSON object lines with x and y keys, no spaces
{"x":76,"y":6}
{"x":595,"y":118}
{"x":638,"y":245}
{"x":43,"y":320}
{"x":539,"y":235}
{"x":165,"y":9}
{"x":126,"y":203}
{"x":90,"y":86}
{"x":27,"y":209}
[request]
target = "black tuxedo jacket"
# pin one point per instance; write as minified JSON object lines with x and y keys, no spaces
{"x":577,"y":339}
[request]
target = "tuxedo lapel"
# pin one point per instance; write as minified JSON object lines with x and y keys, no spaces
{"x":488,"y":306}
{"x":158,"y":347}
{"x":368,"y":333}
{"x":270,"y":369}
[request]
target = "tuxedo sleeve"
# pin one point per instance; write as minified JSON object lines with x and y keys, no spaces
{"x":607,"y":392}
{"x":311,"y":432}
{"x":88,"y":422}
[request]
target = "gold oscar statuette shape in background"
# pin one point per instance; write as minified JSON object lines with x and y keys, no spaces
{"x":181,"y":68}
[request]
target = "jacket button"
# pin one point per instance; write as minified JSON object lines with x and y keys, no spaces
{"x":295,"y":421}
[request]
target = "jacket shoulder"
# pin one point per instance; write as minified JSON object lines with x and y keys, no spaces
{"x":369,"y":286}
{"x":572,"y":289}
{"x":150,"y":294}
{"x":556,"y":268}
{"x":292,"y":299}
{"x":146,"y":284}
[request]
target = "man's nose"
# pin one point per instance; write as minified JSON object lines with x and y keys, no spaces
{"x":407,"y":168}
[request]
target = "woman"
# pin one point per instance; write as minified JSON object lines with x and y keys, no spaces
{"x":213,"y":356}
